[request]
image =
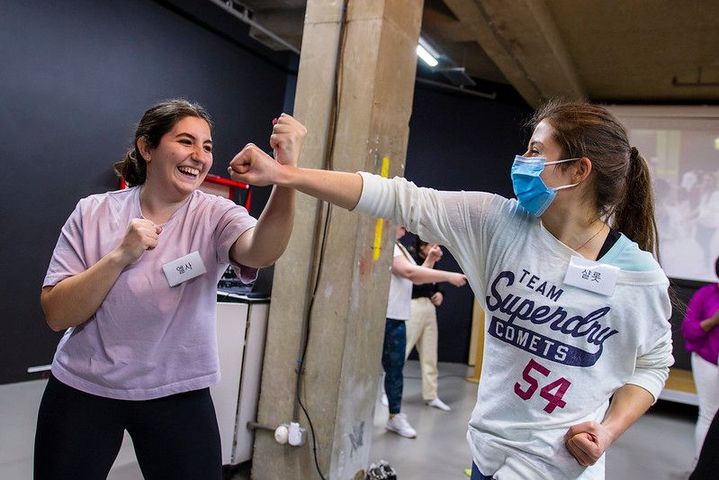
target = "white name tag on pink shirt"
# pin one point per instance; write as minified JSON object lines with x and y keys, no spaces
{"x":592,"y":276}
{"x":184,"y":268}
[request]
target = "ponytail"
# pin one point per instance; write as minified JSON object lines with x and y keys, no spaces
{"x":132,"y":168}
{"x":634,"y":214}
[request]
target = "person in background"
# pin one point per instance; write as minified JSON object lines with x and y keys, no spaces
{"x":578,"y":341}
{"x":422,"y":324}
{"x":405,"y":273}
{"x":133,"y":283}
{"x":701,"y":338}
{"x":708,"y":463}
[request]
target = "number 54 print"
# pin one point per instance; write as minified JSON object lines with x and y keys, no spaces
{"x":552,"y":392}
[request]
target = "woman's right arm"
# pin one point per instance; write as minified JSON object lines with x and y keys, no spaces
{"x":255,"y":167}
{"x":75,"y":300}
{"x":461,"y":221}
{"x":419,"y":275}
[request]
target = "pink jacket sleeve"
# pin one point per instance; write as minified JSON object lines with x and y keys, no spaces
{"x":691,"y":327}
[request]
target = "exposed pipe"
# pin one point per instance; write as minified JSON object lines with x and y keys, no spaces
{"x":259,"y":426}
{"x":245,"y":18}
{"x":452,"y":88}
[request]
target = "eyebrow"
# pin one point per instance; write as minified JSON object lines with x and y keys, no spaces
{"x":185,"y":134}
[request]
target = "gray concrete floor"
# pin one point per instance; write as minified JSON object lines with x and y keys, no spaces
{"x":660,"y":446}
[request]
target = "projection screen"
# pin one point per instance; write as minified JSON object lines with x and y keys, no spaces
{"x":681,"y":145}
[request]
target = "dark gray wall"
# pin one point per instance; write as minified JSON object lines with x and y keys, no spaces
{"x":74,"y":79}
{"x":460,"y":142}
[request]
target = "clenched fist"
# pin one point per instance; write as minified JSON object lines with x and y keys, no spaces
{"x":434,"y":252}
{"x":141,"y":235}
{"x":437,"y":298}
{"x":458,"y":280}
{"x":287,"y":138}
{"x":587,"y":442}
{"x":254,"y":167}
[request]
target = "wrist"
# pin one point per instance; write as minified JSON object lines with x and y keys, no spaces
{"x":611,"y":432}
{"x":286,"y":162}
{"x":286,"y":175}
{"x":119,"y":258}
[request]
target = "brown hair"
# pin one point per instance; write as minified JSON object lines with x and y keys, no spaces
{"x":156,"y":122}
{"x":418,"y":244}
{"x":620,"y":175}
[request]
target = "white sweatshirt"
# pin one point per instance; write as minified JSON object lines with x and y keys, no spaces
{"x":399,"y":301}
{"x":553,"y":353}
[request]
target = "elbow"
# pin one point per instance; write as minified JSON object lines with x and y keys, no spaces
{"x":53,"y":321}
{"x":259,"y":261}
{"x":58,"y":323}
{"x":256,"y":259}
{"x":265,"y":263}
{"x":55,"y":325}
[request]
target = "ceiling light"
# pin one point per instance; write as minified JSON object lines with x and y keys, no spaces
{"x":427,"y":53}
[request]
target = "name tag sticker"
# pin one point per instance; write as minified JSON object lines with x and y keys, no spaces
{"x":184,"y":268}
{"x":592,"y":276}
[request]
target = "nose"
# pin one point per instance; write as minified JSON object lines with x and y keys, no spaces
{"x":198,"y":153}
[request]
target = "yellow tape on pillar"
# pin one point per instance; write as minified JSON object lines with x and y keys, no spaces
{"x":377,"y":248}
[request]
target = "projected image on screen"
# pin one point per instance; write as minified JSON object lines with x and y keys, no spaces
{"x":681,"y":146}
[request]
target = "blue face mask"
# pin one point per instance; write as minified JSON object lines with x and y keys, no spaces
{"x":532,"y":193}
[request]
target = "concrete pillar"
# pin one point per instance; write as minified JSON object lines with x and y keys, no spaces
{"x":342,"y":364}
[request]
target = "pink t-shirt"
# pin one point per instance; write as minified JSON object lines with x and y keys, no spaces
{"x":147,"y":340}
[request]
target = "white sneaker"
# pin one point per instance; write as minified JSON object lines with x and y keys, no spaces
{"x":437,"y":403}
{"x":385,"y":402}
{"x":399,"y":425}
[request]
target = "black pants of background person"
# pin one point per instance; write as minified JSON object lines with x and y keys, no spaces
{"x":79,"y":435}
{"x":708,"y":465}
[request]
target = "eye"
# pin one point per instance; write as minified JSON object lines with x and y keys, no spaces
{"x":208,"y":148}
{"x":185,"y":141}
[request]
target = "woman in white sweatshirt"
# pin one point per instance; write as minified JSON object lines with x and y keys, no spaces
{"x":577,"y":307}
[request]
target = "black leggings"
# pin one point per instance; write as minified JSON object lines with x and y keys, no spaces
{"x":79,"y":435}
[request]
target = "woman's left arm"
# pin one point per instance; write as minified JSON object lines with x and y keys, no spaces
{"x":262,"y":245}
{"x":588,"y":441}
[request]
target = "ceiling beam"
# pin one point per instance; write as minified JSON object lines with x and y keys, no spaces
{"x":522,"y":39}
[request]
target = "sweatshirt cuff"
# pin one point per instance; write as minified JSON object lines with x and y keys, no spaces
{"x":651,"y":380}
{"x":371,"y":188}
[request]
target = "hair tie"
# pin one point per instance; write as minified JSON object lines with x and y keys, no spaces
{"x":633,"y":153}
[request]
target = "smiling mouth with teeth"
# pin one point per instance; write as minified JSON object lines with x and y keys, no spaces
{"x":192,"y":172}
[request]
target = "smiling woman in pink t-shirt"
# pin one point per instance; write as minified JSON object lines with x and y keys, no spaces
{"x":132,"y":281}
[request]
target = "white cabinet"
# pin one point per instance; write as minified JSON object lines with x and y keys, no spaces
{"x":241,"y":331}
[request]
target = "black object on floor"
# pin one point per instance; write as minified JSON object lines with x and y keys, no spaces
{"x":381,"y":471}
